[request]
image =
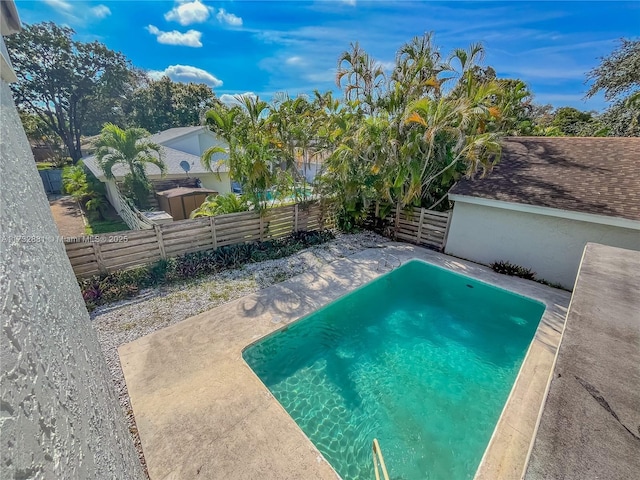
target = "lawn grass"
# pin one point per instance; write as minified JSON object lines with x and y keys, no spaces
{"x":45,"y":165}
{"x":97,"y":227}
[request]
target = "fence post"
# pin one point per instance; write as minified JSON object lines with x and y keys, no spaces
{"x":212,"y":223}
{"x":397,"y":224}
{"x":160,"y":240}
{"x":446,"y":231}
{"x":420,"y":225}
{"x":295,"y":218}
{"x":99,"y":259}
{"x":261,"y":227}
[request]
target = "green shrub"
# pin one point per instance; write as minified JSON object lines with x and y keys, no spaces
{"x":220,"y":205}
{"x":82,"y":185}
{"x":507,"y":268}
{"x":103,"y":289}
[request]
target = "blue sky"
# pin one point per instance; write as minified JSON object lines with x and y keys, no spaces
{"x":270,"y":46}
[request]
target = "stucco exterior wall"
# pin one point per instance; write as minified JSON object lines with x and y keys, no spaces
{"x":550,"y":246}
{"x":188,"y":144}
{"x":59,"y":416}
{"x":221,"y":185}
{"x":195,"y":144}
{"x":207,"y":140}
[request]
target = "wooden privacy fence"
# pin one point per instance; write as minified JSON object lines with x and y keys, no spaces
{"x":131,"y":216}
{"x":117,"y":251}
{"x":420,"y":226}
{"x":52,"y":180}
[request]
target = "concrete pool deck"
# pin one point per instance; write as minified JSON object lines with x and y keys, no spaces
{"x":590,"y":424}
{"x":201,"y":412}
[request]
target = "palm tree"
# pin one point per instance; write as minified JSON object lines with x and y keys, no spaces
{"x":251,"y":153}
{"x":418,"y":68}
{"x":365,"y":77}
{"x":455,"y":140}
{"x":132,"y":149}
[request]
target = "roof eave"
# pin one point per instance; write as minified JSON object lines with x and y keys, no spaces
{"x":182,"y":135}
{"x":9,"y":20}
{"x":621,"y":222}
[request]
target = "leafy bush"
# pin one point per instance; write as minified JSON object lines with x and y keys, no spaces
{"x":86,"y":189}
{"x":220,"y":205}
{"x":507,"y":268}
{"x":102,"y":289}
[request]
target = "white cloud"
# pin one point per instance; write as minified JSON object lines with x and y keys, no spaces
{"x":229,"y":18}
{"x":232,"y":100}
{"x":100,"y":11}
{"x":59,"y":5}
{"x":79,"y":14}
{"x":186,"y":74}
{"x":387,"y":66}
{"x":350,"y":2}
{"x":295,"y":61}
{"x":191,"y":38}
{"x":186,"y":12}
{"x":328,"y":75}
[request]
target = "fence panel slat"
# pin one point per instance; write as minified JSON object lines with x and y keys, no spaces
{"x":120,"y":250}
{"x":417,"y":225}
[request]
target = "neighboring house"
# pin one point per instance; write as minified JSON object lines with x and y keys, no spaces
{"x":178,"y":145}
{"x":545,"y":200}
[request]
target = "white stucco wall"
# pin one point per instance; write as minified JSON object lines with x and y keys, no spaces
{"x":550,"y":246}
{"x":188,"y":144}
{"x":207,"y":140}
{"x":59,"y":416}
{"x":195,"y":144}
{"x":220,"y":184}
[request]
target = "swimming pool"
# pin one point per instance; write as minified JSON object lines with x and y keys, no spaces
{"x":421,"y":358}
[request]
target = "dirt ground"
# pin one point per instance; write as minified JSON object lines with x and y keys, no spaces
{"x":67,"y":216}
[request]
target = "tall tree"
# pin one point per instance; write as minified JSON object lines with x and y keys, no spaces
{"x":575,"y":123}
{"x":161,"y":104}
{"x":622,"y":119}
{"x":364,"y":76}
{"x":433,"y":121}
{"x":253,"y":157}
{"x":132,"y":149}
{"x":61,"y":80}
{"x":618,"y":76}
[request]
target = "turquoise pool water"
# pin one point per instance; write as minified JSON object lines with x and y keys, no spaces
{"x":421,"y":358}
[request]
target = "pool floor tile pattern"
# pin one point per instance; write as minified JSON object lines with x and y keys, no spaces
{"x":202,"y":413}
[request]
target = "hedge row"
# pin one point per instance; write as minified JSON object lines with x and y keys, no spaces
{"x":102,"y":289}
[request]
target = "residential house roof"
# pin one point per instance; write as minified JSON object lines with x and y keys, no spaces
{"x":598,"y":176}
{"x":184,"y":191}
{"x":171,"y":157}
{"x":174,"y":133}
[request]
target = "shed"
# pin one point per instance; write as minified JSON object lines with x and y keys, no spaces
{"x":545,"y":200}
{"x":180,"y":202}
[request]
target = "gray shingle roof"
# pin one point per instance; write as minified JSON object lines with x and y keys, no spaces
{"x":171,"y":158}
{"x":590,"y":175}
{"x":173,"y":133}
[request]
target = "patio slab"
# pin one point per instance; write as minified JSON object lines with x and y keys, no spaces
{"x":590,"y":425}
{"x":201,"y":411}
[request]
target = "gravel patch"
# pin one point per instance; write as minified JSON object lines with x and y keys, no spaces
{"x":123,"y":322}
